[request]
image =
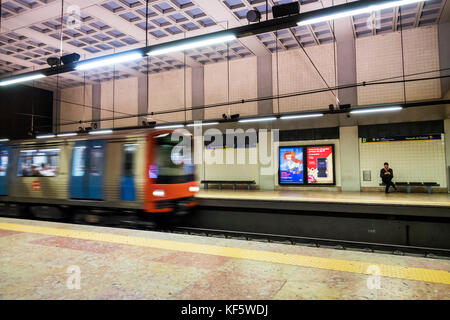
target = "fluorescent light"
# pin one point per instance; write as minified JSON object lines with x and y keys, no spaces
{"x":21,"y":79}
{"x":102,"y":62}
{"x":258,"y":119}
{"x":70,"y":134}
{"x":25,"y":151}
{"x":299,"y":116}
{"x":170,"y":126}
{"x":45,"y":136}
{"x":380,"y":109}
{"x":199,"y":124}
{"x":101,"y":132}
{"x":352,"y":12}
{"x":186,"y":45}
{"x":4,"y":140}
{"x":49,"y":150}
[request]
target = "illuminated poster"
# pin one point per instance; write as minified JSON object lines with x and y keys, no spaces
{"x":320,"y":165}
{"x":291,"y":165}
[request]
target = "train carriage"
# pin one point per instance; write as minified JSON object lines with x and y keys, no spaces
{"x":131,"y":170}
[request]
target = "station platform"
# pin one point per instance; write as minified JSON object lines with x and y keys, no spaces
{"x":436,"y":205}
{"x":41,"y":260}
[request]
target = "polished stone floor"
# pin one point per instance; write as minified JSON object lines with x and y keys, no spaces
{"x":44,"y":260}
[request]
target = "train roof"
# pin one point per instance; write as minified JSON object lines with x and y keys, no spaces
{"x":103,"y":134}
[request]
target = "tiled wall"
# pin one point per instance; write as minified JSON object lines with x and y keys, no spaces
{"x":117,"y":100}
{"x":412,"y":161}
{"x":235,"y":171}
{"x":242,"y":84}
{"x":76,"y":105}
{"x":377,"y":57}
{"x":296,"y":74}
{"x":380,"y":57}
{"x":171,"y":90}
{"x":251,"y":171}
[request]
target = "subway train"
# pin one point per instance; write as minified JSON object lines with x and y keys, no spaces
{"x":128,"y":171}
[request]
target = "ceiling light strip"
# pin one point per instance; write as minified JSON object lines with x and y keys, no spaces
{"x":109,"y":60}
{"x":192,"y":44}
{"x":69,"y":134}
{"x":300,"y":116}
{"x":378,"y":5}
{"x":21,"y":79}
{"x":45,"y":136}
{"x":101,"y":132}
{"x":170,"y":126}
{"x":201,"y":124}
{"x":258,"y":119}
{"x":377,"y":109}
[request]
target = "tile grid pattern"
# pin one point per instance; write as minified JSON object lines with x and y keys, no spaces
{"x":412,"y":161}
{"x":172,"y":17}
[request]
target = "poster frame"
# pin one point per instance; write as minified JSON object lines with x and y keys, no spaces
{"x":305,"y":165}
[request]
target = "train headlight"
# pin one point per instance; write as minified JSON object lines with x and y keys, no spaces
{"x":159,"y":193}
{"x":194,"y":189}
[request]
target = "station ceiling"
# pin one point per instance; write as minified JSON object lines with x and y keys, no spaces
{"x":30,"y":32}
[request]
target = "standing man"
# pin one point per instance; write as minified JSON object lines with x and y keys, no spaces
{"x":386,"y":174}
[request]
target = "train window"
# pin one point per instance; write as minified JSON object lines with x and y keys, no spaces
{"x":173,"y":164}
{"x":97,"y":160}
{"x":38,"y":163}
{"x":128,"y":164}
{"x":79,"y":158}
{"x":3,"y":162}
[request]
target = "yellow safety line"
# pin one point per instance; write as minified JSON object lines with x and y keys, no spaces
{"x":401,"y":202}
{"x":418,"y":274}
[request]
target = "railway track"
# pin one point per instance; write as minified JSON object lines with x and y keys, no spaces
{"x":160,"y":224}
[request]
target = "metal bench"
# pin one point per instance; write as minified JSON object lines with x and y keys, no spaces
{"x":408,"y":185}
{"x":221,"y":182}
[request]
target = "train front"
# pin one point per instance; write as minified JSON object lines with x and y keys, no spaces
{"x":170,"y":184}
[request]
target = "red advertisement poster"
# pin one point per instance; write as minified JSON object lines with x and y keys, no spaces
{"x":320,"y":165}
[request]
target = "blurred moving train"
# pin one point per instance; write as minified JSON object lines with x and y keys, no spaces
{"x":139,"y":171}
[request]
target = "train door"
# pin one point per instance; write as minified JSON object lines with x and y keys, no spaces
{"x":88,"y":162}
{"x":4,"y":159}
{"x":127,"y":181}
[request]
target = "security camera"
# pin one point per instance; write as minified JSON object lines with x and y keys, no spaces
{"x":53,"y":62}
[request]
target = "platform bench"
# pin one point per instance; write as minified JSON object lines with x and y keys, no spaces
{"x":221,"y":182}
{"x":408,"y":185}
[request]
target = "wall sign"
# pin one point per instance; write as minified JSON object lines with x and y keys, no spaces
{"x":402,"y":138}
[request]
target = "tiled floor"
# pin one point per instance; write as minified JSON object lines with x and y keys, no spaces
{"x":35,"y":266}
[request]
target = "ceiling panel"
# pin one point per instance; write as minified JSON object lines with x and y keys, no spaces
{"x":117,"y":25}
